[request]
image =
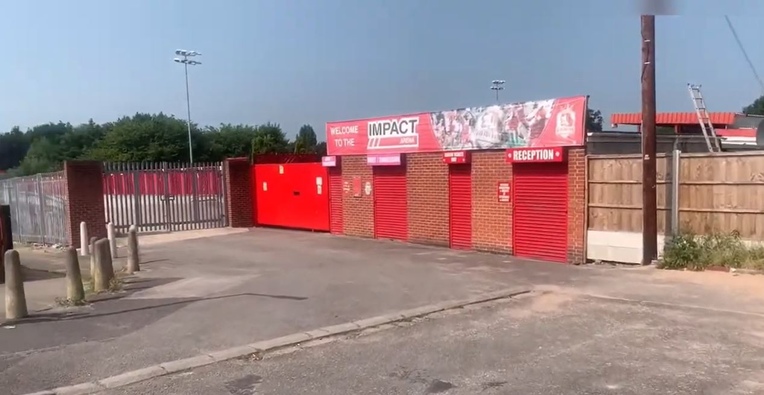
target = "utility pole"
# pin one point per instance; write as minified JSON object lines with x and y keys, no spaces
{"x":649,"y":198}
{"x":497,"y":85}
{"x":186,"y":62}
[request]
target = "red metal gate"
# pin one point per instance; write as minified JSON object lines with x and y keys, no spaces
{"x":336,"y":224}
{"x":291,"y":195}
{"x":460,"y":206}
{"x":390,"y":203}
{"x":540,"y":211}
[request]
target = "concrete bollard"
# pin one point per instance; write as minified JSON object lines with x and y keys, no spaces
{"x":74,"y":289}
{"x":112,"y":235}
{"x":104,"y":271}
{"x":92,"y":256}
{"x":133,"y":257}
{"x":84,"y":246}
{"x":108,"y":265}
{"x":15,"y":299}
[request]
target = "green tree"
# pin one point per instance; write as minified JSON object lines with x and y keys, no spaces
{"x":147,"y":138}
{"x":230,"y":141}
{"x":321,"y":148}
{"x":593,"y":120}
{"x":269,"y":139}
{"x":44,"y":156}
{"x":80,"y":140}
{"x":306,"y":140}
{"x":13,"y":147}
{"x":755,"y":108}
{"x":51,"y":131}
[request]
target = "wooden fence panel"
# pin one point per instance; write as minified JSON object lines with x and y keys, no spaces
{"x":717,"y":193}
{"x":722,"y":193}
{"x":615,"y":192}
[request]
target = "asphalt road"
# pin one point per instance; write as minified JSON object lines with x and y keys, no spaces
{"x":545,"y":344}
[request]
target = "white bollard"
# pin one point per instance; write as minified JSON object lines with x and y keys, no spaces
{"x":112,"y":239}
{"x":84,"y":239}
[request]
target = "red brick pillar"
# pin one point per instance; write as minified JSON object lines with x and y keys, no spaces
{"x":577,"y":211}
{"x":238,"y":189}
{"x":84,"y":191}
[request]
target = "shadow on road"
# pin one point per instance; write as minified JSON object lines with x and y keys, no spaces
{"x":30,"y":274}
{"x":147,"y":304}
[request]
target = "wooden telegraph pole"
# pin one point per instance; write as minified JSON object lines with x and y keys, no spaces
{"x":649,"y":199}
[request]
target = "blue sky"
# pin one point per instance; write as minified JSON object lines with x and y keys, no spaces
{"x":313,"y":61}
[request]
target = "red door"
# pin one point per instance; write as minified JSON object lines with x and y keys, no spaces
{"x":460,"y":206}
{"x":390,"y":203}
{"x":336,"y":225}
{"x":540,"y":211}
{"x":292,"y":195}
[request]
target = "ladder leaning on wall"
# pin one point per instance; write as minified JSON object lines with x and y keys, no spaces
{"x":709,"y":133}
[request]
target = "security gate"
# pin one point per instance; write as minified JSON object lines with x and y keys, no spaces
{"x":164,"y":197}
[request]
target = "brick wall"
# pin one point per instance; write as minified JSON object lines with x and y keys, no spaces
{"x":576,"y":205}
{"x":357,"y":212}
{"x":427,"y":191}
{"x":491,"y":220}
{"x":238,"y":190}
{"x":336,"y":225}
{"x":84,"y":189}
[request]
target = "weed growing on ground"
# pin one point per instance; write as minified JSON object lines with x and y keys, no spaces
{"x":115,"y":285}
{"x":64,"y":302}
{"x":691,"y":252}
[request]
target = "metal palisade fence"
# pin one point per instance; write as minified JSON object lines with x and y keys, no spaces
{"x":38,"y":207}
{"x":164,"y":197}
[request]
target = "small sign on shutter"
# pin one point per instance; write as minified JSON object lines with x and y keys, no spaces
{"x":383,"y":160}
{"x":503,"y":191}
{"x":456,"y":157}
{"x":329,"y":161}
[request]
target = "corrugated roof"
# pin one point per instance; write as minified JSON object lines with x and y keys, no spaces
{"x":673,"y":118}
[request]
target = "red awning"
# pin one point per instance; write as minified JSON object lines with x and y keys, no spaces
{"x":750,"y":133}
{"x":673,"y":118}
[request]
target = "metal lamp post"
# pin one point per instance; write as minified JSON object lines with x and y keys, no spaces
{"x":496,"y":86}
{"x":185,"y":55}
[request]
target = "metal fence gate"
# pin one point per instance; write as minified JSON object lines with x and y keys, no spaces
{"x":38,"y":208}
{"x":164,"y":197}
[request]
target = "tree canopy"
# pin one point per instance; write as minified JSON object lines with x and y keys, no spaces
{"x":755,"y":108}
{"x":593,"y":120}
{"x":144,"y":137}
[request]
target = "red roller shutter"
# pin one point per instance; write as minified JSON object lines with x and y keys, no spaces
{"x":336,"y":225}
{"x":390,"y":203}
{"x":460,"y":206}
{"x":540,"y":210}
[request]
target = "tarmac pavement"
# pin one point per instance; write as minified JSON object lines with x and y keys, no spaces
{"x":195,"y":297}
{"x":543,"y":344}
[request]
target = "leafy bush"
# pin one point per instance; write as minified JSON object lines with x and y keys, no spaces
{"x":691,"y":252}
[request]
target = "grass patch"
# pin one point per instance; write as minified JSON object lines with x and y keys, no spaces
{"x":692,"y":252}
